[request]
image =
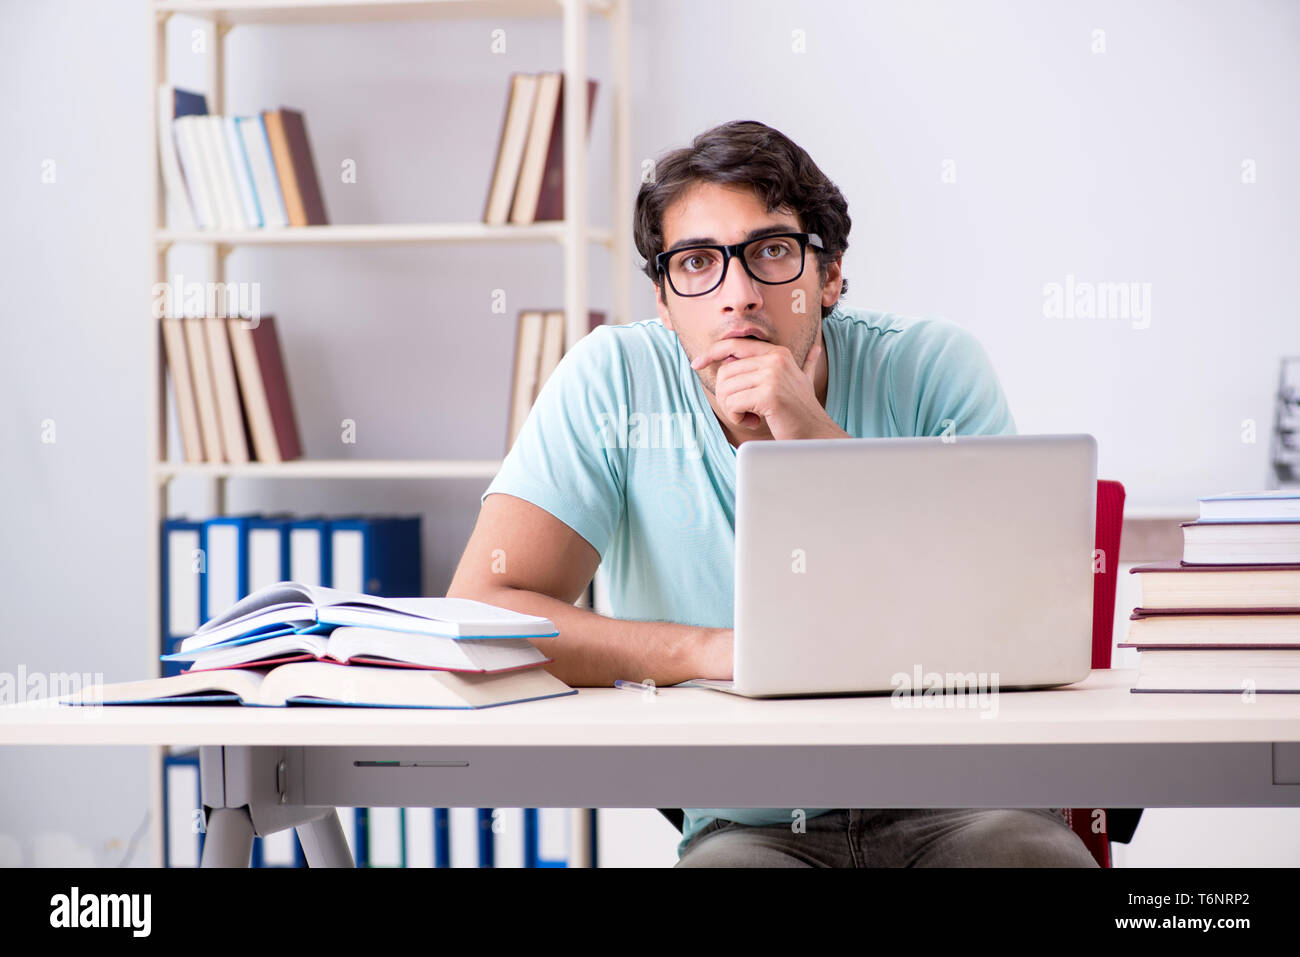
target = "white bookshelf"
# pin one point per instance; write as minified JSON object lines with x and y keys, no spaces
{"x":573,"y":234}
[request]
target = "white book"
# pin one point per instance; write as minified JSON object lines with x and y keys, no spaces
{"x":1277,"y":504}
{"x":214,"y":127}
{"x":261,"y":164}
{"x":295,"y":601}
{"x":243,"y":176}
{"x":180,"y":200}
{"x":197,"y":183}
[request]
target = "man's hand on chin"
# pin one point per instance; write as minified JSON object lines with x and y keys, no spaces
{"x":760,"y":390}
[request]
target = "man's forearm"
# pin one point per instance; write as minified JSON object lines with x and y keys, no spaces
{"x":593,"y":650}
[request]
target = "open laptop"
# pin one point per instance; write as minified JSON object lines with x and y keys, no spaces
{"x":860,"y":560}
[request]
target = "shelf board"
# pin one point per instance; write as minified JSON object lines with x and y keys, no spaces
{"x":337,"y":468}
{"x":380,"y":234}
{"x":345,"y":11}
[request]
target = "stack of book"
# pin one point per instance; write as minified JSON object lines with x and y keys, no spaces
{"x":236,"y":172}
{"x":231,"y":390}
{"x":291,"y":644}
{"x":528,"y":176}
{"x":1226,"y":618}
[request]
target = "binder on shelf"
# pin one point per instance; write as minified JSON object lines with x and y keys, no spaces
{"x":309,"y":551}
{"x":386,"y":835}
{"x":182,"y":811}
{"x":377,"y":555}
{"x":227,"y":561}
{"x":419,"y":837}
{"x":183,"y":552}
{"x":442,"y":837}
{"x":268,"y":551}
{"x":552,"y":836}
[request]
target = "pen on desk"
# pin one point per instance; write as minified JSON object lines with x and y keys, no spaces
{"x":648,"y":687}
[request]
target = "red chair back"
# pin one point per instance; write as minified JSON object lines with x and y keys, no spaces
{"x":1086,"y":822}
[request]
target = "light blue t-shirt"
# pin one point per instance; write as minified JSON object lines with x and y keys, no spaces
{"x":623,"y":447}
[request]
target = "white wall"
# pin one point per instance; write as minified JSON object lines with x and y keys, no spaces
{"x":1122,"y":166}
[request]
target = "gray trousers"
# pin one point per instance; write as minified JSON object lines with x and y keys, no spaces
{"x":896,"y":837}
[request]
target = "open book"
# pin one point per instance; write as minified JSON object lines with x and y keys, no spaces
{"x":371,"y":646}
{"x":298,"y":605}
{"x":327,"y":683}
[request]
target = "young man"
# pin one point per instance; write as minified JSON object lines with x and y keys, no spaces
{"x":629,"y":457}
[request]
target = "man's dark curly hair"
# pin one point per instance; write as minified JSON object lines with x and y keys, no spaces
{"x":745,"y":153}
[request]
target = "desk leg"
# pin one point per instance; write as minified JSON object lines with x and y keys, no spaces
{"x":229,"y":840}
{"x":324,"y":843}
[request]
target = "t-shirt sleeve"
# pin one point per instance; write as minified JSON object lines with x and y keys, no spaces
{"x":941,"y":379}
{"x":562,"y":460}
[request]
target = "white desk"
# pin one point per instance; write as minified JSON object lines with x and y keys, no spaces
{"x":1093,"y":744}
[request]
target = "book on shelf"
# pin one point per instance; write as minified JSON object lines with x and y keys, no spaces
{"x":186,"y":403}
{"x":236,"y":172}
{"x":231,"y":390}
{"x":527,"y":182}
{"x":539,"y":347}
{"x":286,"y":130}
{"x":330,"y":683}
{"x":172,"y":104}
{"x":264,"y":385}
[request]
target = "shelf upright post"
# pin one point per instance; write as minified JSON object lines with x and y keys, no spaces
{"x":621,"y":206}
{"x":156,"y":443}
{"x":575,"y":171}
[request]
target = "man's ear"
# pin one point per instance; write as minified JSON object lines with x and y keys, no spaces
{"x":834,"y":282}
{"x":662,"y":306}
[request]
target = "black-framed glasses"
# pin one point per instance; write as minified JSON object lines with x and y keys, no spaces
{"x":773,"y":259}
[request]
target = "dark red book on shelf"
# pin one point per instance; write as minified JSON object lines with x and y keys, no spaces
{"x":264,"y":387}
{"x":550,"y":203}
{"x":286,"y":130}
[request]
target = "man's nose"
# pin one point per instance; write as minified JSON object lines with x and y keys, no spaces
{"x":739,"y":289}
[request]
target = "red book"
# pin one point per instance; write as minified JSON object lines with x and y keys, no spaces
{"x":264,"y":386}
